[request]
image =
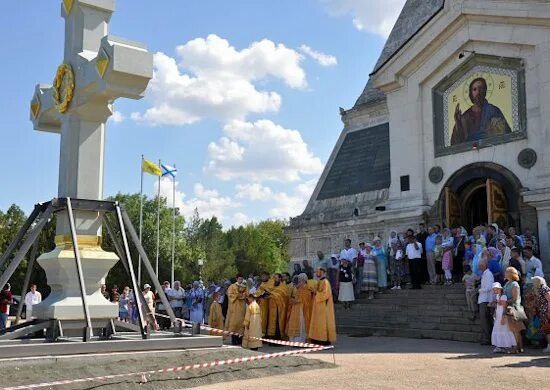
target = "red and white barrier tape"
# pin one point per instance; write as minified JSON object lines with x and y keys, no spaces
{"x":172,"y":369}
{"x":229,"y":333}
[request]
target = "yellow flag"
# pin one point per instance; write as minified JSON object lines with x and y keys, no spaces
{"x":151,"y":167}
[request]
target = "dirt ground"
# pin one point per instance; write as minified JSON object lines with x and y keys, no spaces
{"x":37,"y":370}
{"x":394,"y":363}
{"x":361,"y":363}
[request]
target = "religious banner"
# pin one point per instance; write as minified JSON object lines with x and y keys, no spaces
{"x":481,"y":104}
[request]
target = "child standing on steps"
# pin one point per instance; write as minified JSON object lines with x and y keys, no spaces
{"x":502,"y":337}
{"x":447,"y":263}
{"x":469,"y":279}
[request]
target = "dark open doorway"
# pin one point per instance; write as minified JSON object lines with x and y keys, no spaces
{"x":476,"y":208}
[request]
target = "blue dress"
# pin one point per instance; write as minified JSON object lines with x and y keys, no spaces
{"x":381,"y":267}
{"x":197,"y":305}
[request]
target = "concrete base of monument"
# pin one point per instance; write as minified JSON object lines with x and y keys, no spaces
{"x":65,"y":301}
{"x":121,"y":342}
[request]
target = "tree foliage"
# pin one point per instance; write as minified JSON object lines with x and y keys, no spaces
{"x":246,"y":249}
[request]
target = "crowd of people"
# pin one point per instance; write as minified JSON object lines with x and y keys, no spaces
{"x":502,"y":277}
{"x":498,"y":268}
{"x":279,"y":307}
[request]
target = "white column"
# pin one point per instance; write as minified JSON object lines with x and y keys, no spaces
{"x":540,"y":200}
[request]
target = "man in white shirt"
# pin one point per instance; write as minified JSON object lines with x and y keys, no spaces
{"x":532,"y":263}
{"x":349,"y":253}
{"x":33,"y":297}
{"x":486,"y":296}
{"x":414,"y":254}
{"x":176,"y":297}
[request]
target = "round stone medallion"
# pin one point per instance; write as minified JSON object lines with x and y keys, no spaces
{"x":436,"y":174}
{"x":527,"y":158}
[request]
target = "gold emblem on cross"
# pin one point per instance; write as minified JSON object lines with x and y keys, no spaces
{"x":63,"y":87}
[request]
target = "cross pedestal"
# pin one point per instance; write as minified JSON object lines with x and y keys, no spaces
{"x":97,"y":69}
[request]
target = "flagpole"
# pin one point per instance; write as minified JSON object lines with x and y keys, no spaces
{"x":158,"y":226}
{"x":140,"y":219}
{"x":173,"y":224}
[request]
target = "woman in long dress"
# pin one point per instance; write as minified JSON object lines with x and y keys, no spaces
{"x":370,"y":276}
{"x":516,"y":311}
{"x":381,"y":265}
{"x":502,"y":337}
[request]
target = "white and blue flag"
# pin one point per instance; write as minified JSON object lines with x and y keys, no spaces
{"x":169,"y":171}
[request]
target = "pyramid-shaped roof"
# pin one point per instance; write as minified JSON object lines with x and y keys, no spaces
{"x":413,"y":17}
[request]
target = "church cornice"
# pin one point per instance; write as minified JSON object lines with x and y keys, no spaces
{"x":455,"y":27}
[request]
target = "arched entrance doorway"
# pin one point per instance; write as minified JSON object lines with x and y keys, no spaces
{"x":483,"y":193}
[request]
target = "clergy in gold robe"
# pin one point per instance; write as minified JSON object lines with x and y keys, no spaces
{"x":262,"y":297}
{"x":215,"y":317}
{"x":236,"y":294}
{"x":299,"y":310}
{"x":252,"y":325}
{"x":277,"y":309}
{"x":322,"y":329}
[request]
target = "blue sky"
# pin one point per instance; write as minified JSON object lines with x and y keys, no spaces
{"x":244,"y":100}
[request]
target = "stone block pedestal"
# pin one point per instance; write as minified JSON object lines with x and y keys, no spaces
{"x":65,"y":302}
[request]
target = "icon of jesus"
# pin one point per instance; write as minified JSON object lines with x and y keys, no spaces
{"x":481,"y":120}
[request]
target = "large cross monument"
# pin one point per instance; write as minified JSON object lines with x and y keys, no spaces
{"x":96,"y":70}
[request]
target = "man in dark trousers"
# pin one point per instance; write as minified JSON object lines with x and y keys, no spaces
{"x":421,"y":236}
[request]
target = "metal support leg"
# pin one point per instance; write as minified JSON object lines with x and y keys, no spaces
{"x":140,"y":300}
{"x":118,"y":247}
{"x":31,"y":238}
{"x":147,"y":263}
{"x":127,"y":264}
{"x":21,"y":233}
{"x":26,"y":282}
{"x":88,"y":332}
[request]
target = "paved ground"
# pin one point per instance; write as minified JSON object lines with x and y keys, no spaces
{"x":392,"y":363}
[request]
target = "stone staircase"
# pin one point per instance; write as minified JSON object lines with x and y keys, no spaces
{"x":434,"y":312}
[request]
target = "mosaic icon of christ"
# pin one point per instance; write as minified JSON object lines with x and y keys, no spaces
{"x":481,"y":120}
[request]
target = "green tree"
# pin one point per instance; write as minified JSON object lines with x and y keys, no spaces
{"x":246,"y":249}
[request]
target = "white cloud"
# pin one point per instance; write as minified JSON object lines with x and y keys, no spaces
{"x":322,"y":58}
{"x":240,"y":219}
{"x":215,"y":80}
{"x":261,"y":151}
{"x":117,"y":117}
{"x":285,"y":205}
{"x":374,"y":16}
{"x":291,"y":205}
{"x":253,"y":191}
{"x":208,"y":202}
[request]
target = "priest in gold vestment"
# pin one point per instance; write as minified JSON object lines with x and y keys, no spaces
{"x":278,"y":300}
{"x":252,"y":325}
{"x":215,"y":317}
{"x":299,"y":310}
{"x":236,"y":293}
{"x":322,"y":329}
{"x":262,"y":297}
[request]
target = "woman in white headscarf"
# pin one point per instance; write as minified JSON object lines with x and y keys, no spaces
{"x":370,"y":276}
{"x":506,"y":254}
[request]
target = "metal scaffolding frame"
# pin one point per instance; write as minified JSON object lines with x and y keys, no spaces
{"x":27,"y":237}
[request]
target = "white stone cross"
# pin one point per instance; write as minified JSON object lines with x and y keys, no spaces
{"x":96,"y":70}
{"x":105,"y":68}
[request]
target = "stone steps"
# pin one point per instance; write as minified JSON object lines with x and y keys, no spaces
{"x":438,"y":312}
{"x":469,"y":337}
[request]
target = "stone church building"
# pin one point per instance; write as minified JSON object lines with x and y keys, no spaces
{"x":451,"y":128}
